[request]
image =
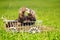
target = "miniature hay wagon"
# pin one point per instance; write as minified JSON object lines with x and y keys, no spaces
{"x":12,"y":25}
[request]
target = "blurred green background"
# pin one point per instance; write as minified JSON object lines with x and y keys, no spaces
{"x":46,"y":10}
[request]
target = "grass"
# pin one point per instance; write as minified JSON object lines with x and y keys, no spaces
{"x":46,"y":10}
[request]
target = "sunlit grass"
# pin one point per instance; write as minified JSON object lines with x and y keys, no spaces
{"x":46,"y":10}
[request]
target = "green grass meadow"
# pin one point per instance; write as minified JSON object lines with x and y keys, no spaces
{"x":46,"y":10}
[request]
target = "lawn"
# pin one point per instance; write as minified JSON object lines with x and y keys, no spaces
{"x":46,"y":10}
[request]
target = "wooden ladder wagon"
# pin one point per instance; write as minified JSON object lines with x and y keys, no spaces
{"x":12,"y":25}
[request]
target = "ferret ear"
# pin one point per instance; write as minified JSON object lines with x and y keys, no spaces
{"x":27,"y":10}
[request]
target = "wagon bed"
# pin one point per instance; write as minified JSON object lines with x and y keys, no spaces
{"x":37,"y":27}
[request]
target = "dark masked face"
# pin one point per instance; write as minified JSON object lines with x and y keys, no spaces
{"x":21,"y":16}
{"x":30,"y":15}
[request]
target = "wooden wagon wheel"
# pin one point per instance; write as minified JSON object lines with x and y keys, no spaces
{"x":13,"y":29}
{"x":34,"y":30}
